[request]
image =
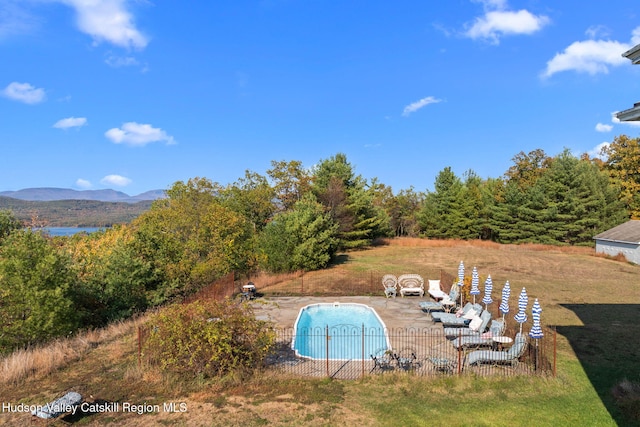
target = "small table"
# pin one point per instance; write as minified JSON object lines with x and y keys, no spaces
{"x":502,"y":341}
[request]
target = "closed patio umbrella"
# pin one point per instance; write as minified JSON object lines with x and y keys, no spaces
{"x":488,"y":287}
{"x":523,"y":300}
{"x":536,"y":330}
{"x":504,"y":304}
{"x":461,"y":279}
{"x":475,"y":281}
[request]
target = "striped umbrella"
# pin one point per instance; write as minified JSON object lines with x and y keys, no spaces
{"x":536,"y":329}
{"x":488,"y":287}
{"x":461,"y":279}
{"x":523,"y":300}
{"x":504,"y":304}
{"x":475,"y":281}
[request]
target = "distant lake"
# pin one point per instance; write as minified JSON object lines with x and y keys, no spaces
{"x":70,"y":231}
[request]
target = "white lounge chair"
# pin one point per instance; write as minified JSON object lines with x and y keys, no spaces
{"x":436,"y":291}
{"x":411,"y":284}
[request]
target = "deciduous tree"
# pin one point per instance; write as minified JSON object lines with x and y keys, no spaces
{"x":623,"y":165}
{"x":36,"y":282}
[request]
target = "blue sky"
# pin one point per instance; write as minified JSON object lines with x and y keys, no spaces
{"x":135,"y":95}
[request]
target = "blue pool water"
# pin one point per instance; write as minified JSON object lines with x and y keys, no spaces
{"x":352,"y":331}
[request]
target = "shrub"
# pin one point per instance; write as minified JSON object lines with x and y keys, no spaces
{"x":207,"y":338}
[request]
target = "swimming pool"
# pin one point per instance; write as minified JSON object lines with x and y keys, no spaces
{"x":339,"y":331}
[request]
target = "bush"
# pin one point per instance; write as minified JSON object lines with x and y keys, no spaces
{"x":208,"y":338}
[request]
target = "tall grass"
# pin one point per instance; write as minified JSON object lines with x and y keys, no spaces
{"x":47,"y":358}
{"x":454,"y":243}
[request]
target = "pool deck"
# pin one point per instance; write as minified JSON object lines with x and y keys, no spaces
{"x":395,"y":312}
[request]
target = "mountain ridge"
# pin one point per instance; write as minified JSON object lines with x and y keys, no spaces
{"x":48,"y":194}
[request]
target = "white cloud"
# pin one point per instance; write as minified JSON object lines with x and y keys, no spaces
{"x":498,"y":21}
{"x":596,"y":31}
{"x":635,"y":36}
{"x":24,"y":92}
{"x":595,"y":151}
{"x":137,"y":134}
{"x":589,"y":56}
{"x":15,"y":19}
{"x":83,"y":183}
{"x":117,"y":180}
{"x":107,"y":20}
{"x":415,"y":106}
{"x":120,"y":61}
{"x":70,"y":122}
{"x":601,"y":127}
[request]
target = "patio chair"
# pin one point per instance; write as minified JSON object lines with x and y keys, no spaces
{"x":436,"y":306}
{"x":458,"y":318}
{"x":482,"y":340}
{"x":390,"y":285}
{"x":384,"y":360}
{"x":495,"y":357}
{"x":406,"y":359}
{"x":477,"y":326}
{"x":411,"y":284}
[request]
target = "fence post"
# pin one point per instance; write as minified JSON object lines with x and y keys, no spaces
{"x":327,"y":355}
{"x":362,"y":351}
{"x":459,"y":353}
{"x":555,"y":352}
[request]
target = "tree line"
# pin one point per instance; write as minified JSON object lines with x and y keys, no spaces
{"x":294,"y":218}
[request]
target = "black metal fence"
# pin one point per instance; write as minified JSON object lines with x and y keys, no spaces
{"x":351,"y":352}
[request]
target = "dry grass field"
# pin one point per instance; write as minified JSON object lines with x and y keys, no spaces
{"x":594,"y":302}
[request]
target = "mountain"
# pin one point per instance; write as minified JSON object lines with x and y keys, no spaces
{"x":46,"y":194}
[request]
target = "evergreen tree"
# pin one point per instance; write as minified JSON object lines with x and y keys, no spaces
{"x":349,"y":203}
{"x":303,"y":238}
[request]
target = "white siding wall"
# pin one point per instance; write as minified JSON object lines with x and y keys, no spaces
{"x":629,"y":250}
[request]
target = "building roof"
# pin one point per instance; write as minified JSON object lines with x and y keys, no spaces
{"x":633,"y":54}
{"x":631,"y":114}
{"x":628,"y":232}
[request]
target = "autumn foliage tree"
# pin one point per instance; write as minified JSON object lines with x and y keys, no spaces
{"x":622,"y":163}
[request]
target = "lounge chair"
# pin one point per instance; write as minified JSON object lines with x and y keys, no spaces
{"x":477,"y":326}
{"x":483,"y":340}
{"x":457,"y":319}
{"x":390,"y":285}
{"x":436,"y":291}
{"x":495,"y":357}
{"x":437,"y":306}
{"x":411,"y":284}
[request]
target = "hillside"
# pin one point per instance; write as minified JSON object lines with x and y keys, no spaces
{"x":47,"y":194}
{"x":75,"y":213}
